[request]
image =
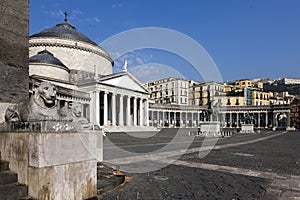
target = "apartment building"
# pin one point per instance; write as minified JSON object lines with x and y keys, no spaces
{"x":169,"y":91}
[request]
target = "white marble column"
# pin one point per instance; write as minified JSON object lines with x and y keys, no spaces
{"x":141,"y":112}
{"x":237,"y":120}
{"x":105,"y":112}
{"x":128,"y":121}
{"x":113,"y":109}
{"x":147,"y":112}
{"x":134,"y":111}
{"x":121,"y":121}
{"x":95,"y":108}
{"x":198,"y":118}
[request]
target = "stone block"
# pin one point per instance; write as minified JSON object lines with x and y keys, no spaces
{"x":55,"y":165}
{"x":13,"y":191}
{"x":8,"y":177}
{"x":247,"y":128}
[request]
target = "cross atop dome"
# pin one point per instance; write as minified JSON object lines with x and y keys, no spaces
{"x":66,"y":16}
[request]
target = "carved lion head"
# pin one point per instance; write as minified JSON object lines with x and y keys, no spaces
{"x":76,"y":108}
{"x":47,"y":92}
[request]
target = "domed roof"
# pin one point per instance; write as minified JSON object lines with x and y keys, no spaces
{"x":47,"y":57}
{"x":64,"y":30}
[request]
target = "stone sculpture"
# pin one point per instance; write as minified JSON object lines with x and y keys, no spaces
{"x":41,"y":106}
{"x":73,"y":110}
{"x":42,"y":113}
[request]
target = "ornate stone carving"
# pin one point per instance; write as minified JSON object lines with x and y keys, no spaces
{"x":42,"y":114}
{"x":41,"y":106}
{"x":74,"y":111}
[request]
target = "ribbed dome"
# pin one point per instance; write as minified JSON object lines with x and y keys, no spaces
{"x":64,"y":30}
{"x":47,"y":57}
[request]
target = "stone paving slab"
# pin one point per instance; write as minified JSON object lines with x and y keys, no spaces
{"x":185,"y":182}
{"x":281,"y":187}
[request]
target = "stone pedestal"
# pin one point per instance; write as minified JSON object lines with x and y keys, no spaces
{"x":54,"y":165}
{"x":210,"y":128}
{"x":247,"y":128}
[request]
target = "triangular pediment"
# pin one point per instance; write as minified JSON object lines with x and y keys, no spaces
{"x":124,"y":80}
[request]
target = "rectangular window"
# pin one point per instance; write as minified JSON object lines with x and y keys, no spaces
{"x":228,"y":102}
{"x":237,"y":102}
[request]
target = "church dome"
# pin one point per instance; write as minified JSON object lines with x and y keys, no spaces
{"x":64,"y":30}
{"x":75,"y":50}
{"x":47,"y":57}
{"x":46,"y":65}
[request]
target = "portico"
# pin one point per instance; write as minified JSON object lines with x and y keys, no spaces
{"x":117,"y":100}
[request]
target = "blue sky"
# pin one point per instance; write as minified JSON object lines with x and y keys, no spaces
{"x":244,"y":38}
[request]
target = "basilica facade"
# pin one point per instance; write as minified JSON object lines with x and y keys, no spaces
{"x":82,"y":72}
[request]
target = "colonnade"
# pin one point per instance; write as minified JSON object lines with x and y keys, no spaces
{"x":261,"y":118}
{"x":171,"y":119}
{"x":118,"y":109}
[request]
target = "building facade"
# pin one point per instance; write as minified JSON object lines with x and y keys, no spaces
{"x":174,"y":91}
{"x":82,"y":72}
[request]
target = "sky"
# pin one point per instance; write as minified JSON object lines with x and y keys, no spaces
{"x":231,"y":39}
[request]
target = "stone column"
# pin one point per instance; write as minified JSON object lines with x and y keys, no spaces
{"x":105,"y":112}
{"x":95,"y":108}
{"x":258,"y":120}
{"x":141,"y":112}
{"x":147,"y":112}
{"x":267,"y":119}
{"x":198,"y":117}
{"x":157,"y":118}
{"x":134,"y":111}
{"x":163,"y":118}
{"x":113,"y":109}
{"x":237,"y":120}
{"x":121,"y":120}
{"x":152,"y":117}
{"x":169,"y":118}
{"x":128,"y":123}
{"x":230,"y":120}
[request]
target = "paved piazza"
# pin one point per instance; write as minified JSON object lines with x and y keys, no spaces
{"x":258,"y":166}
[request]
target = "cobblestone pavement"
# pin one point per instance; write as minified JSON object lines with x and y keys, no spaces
{"x":181,"y":182}
{"x":261,"y":166}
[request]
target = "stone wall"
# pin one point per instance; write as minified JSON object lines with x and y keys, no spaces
{"x":14,"y":22}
